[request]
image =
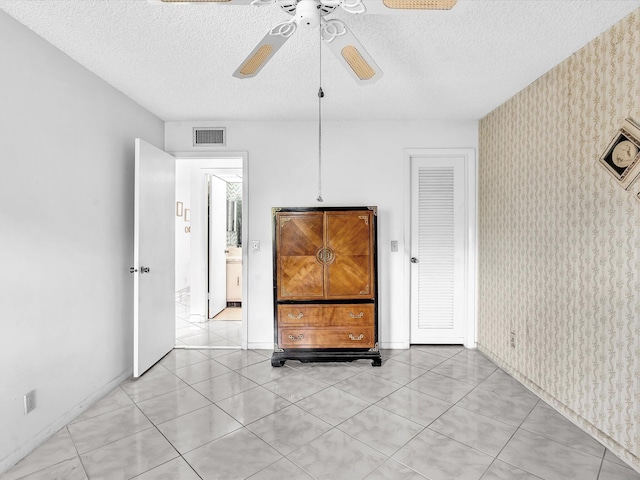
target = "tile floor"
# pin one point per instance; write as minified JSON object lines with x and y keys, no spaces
{"x":223,"y":330}
{"x":437,"y":413}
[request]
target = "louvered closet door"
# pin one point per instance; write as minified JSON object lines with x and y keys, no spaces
{"x":438,"y":250}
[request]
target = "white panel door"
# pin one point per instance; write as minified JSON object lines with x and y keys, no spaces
{"x":153,"y":256}
{"x":217,"y":245}
{"x":438,"y":250}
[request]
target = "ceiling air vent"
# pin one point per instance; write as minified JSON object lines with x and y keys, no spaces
{"x":208,"y":137}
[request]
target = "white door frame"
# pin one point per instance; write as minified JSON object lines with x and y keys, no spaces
{"x":470,"y":215}
{"x":211,"y":160}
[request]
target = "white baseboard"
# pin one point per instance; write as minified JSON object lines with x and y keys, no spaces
{"x":394,"y":345}
{"x":54,"y":427}
{"x":260,"y":345}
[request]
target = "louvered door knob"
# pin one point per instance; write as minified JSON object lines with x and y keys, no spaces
{"x":414,"y":260}
{"x":144,"y":269}
{"x":132,"y":270}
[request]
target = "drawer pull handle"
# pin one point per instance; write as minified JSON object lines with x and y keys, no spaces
{"x":360,"y":315}
{"x":356,"y":339}
{"x":299,"y":337}
{"x":296,"y":317}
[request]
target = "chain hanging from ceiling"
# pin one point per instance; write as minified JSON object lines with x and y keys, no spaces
{"x":320,"y":96}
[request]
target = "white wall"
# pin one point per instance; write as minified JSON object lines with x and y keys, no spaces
{"x":66,"y":207}
{"x":183,"y":238}
{"x":362,"y":165}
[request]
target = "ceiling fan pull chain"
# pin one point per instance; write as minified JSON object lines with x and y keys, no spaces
{"x":320,"y":95}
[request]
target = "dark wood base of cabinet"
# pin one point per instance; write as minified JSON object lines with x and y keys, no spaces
{"x":278,"y":358}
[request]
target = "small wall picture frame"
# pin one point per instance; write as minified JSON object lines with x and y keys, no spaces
{"x":187,"y":214}
{"x":622,"y":157}
{"x":179,"y":209}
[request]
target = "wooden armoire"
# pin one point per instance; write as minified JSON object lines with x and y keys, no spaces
{"x":325,"y":284}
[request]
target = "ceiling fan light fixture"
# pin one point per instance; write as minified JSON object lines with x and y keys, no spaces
{"x":358,"y":64}
{"x":253,"y":64}
{"x":420,"y":4}
{"x":308,"y":13}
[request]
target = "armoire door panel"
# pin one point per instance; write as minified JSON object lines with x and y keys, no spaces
{"x":300,"y":235}
{"x":349,"y":276}
{"x":299,"y":238}
{"x":300,"y":277}
{"x":349,"y":235}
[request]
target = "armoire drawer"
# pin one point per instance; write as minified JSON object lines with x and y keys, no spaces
{"x":351,"y":315}
{"x":331,"y":337}
{"x":327,"y":315}
{"x":311,"y":315}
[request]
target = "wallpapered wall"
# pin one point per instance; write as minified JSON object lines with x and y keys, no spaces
{"x":559,"y":240}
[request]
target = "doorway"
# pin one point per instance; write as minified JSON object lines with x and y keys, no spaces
{"x":210,"y":314}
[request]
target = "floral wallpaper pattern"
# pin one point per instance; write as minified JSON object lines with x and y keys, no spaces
{"x":559,"y":240}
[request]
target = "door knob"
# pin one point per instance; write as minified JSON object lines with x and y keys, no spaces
{"x":132,"y":270}
{"x":414,"y":260}
{"x":144,"y":270}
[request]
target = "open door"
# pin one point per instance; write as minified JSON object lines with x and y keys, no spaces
{"x":217,"y":244}
{"x":153,"y":256}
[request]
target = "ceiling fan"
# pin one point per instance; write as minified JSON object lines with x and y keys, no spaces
{"x":335,"y":33}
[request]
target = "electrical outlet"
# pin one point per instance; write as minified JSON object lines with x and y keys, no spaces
{"x":512,"y":339}
{"x":29,"y":401}
{"x":394,"y":245}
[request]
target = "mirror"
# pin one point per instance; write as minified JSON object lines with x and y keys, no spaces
{"x":234,"y":214}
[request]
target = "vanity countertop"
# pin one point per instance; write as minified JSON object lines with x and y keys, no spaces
{"x":234,"y":254}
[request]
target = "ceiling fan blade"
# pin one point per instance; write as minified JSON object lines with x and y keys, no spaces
{"x":350,"y":52}
{"x":221,"y":2}
{"x":388,"y":6}
{"x":268,"y":46}
{"x":351,"y":6}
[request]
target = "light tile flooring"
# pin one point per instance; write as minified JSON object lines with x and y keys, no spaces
{"x":438,"y":413}
{"x":222,"y":330}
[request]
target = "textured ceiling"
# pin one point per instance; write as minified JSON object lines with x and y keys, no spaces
{"x":177,"y":60}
